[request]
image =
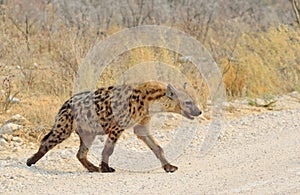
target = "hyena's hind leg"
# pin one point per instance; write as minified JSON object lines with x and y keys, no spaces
{"x":86,"y":141}
{"x":60,"y":131}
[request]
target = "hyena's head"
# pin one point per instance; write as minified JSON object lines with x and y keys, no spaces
{"x":180,"y":102}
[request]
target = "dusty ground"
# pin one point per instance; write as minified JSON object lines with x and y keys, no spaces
{"x":258,"y":152}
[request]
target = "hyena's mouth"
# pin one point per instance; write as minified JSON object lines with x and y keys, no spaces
{"x":191,"y":115}
{"x":188,"y":115}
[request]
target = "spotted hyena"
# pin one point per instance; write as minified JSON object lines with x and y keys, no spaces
{"x":110,"y":111}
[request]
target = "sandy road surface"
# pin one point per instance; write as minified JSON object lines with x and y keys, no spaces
{"x":256,"y":154}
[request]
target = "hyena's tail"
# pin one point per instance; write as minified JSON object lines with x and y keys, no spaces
{"x":61,"y":130}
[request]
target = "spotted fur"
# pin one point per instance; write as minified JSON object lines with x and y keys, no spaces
{"x":110,"y":111}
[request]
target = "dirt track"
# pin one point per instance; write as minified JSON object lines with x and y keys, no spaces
{"x":256,"y":154}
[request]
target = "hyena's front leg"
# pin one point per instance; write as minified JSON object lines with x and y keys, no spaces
{"x":109,"y":149}
{"x":142,"y":132}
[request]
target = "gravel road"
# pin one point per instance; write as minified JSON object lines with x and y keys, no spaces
{"x":258,"y":153}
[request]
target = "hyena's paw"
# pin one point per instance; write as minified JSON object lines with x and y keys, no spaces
{"x":170,"y":168}
{"x":29,"y":162}
{"x":93,"y":168}
{"x":34,"y":158}
{"x":104,"y":168}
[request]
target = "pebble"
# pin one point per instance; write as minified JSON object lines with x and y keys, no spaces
{"x":3,"y":142}
{"x":17,"y":139}
{"x":185,"y":59}
{"x":294,"y":94}
{"x":7,"y":137}
{"x":17,"y":144}
{"x":16,"y":148}
{"x":17,"y":119}
{"x":9,"y":128}
{"x":259,"y":102}
{"x":14,"y":99}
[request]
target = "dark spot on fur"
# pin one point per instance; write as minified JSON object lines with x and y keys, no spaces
{"x":137,"y":91}
{"x":122,"y":116}
{"x":65,"y":106}
{"x":97,"y":109}
{"x":62,"y":111}
{"x":53,"y":141}
{"x":109,"y":111}
{"x":113,"y":139}
{"x":127,"y":90}
{"x":105,"y":125}
{"x":89,"y":114}
{"x":135,"y":97}
{"x":107,"y":96}
{"x":116,"y":103}
{"x":86,"y":101}
{"x":110,"y":87}
{"x":120,"y":131}
{"x":159,"y":96}
{"x":46,"y":136}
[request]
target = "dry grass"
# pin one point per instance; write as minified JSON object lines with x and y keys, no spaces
{"x":45,"y":64}
{"x":265,"y":63}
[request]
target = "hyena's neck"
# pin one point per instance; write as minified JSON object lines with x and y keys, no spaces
{"x":152,"y":91}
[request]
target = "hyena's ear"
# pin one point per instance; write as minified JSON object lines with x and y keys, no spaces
{"x":171,"y":92}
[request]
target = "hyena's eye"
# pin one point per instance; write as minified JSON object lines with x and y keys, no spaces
{"x":189,"y":103}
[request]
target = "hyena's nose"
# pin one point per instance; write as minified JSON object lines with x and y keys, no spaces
{"x":196,"y":112}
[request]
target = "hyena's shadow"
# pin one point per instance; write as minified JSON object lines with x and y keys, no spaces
{"x":21,"y":165}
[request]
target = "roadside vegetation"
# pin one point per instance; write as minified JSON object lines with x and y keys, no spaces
{"x":255,"y":43}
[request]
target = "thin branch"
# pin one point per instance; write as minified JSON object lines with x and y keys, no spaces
{"x":296,"y":8}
